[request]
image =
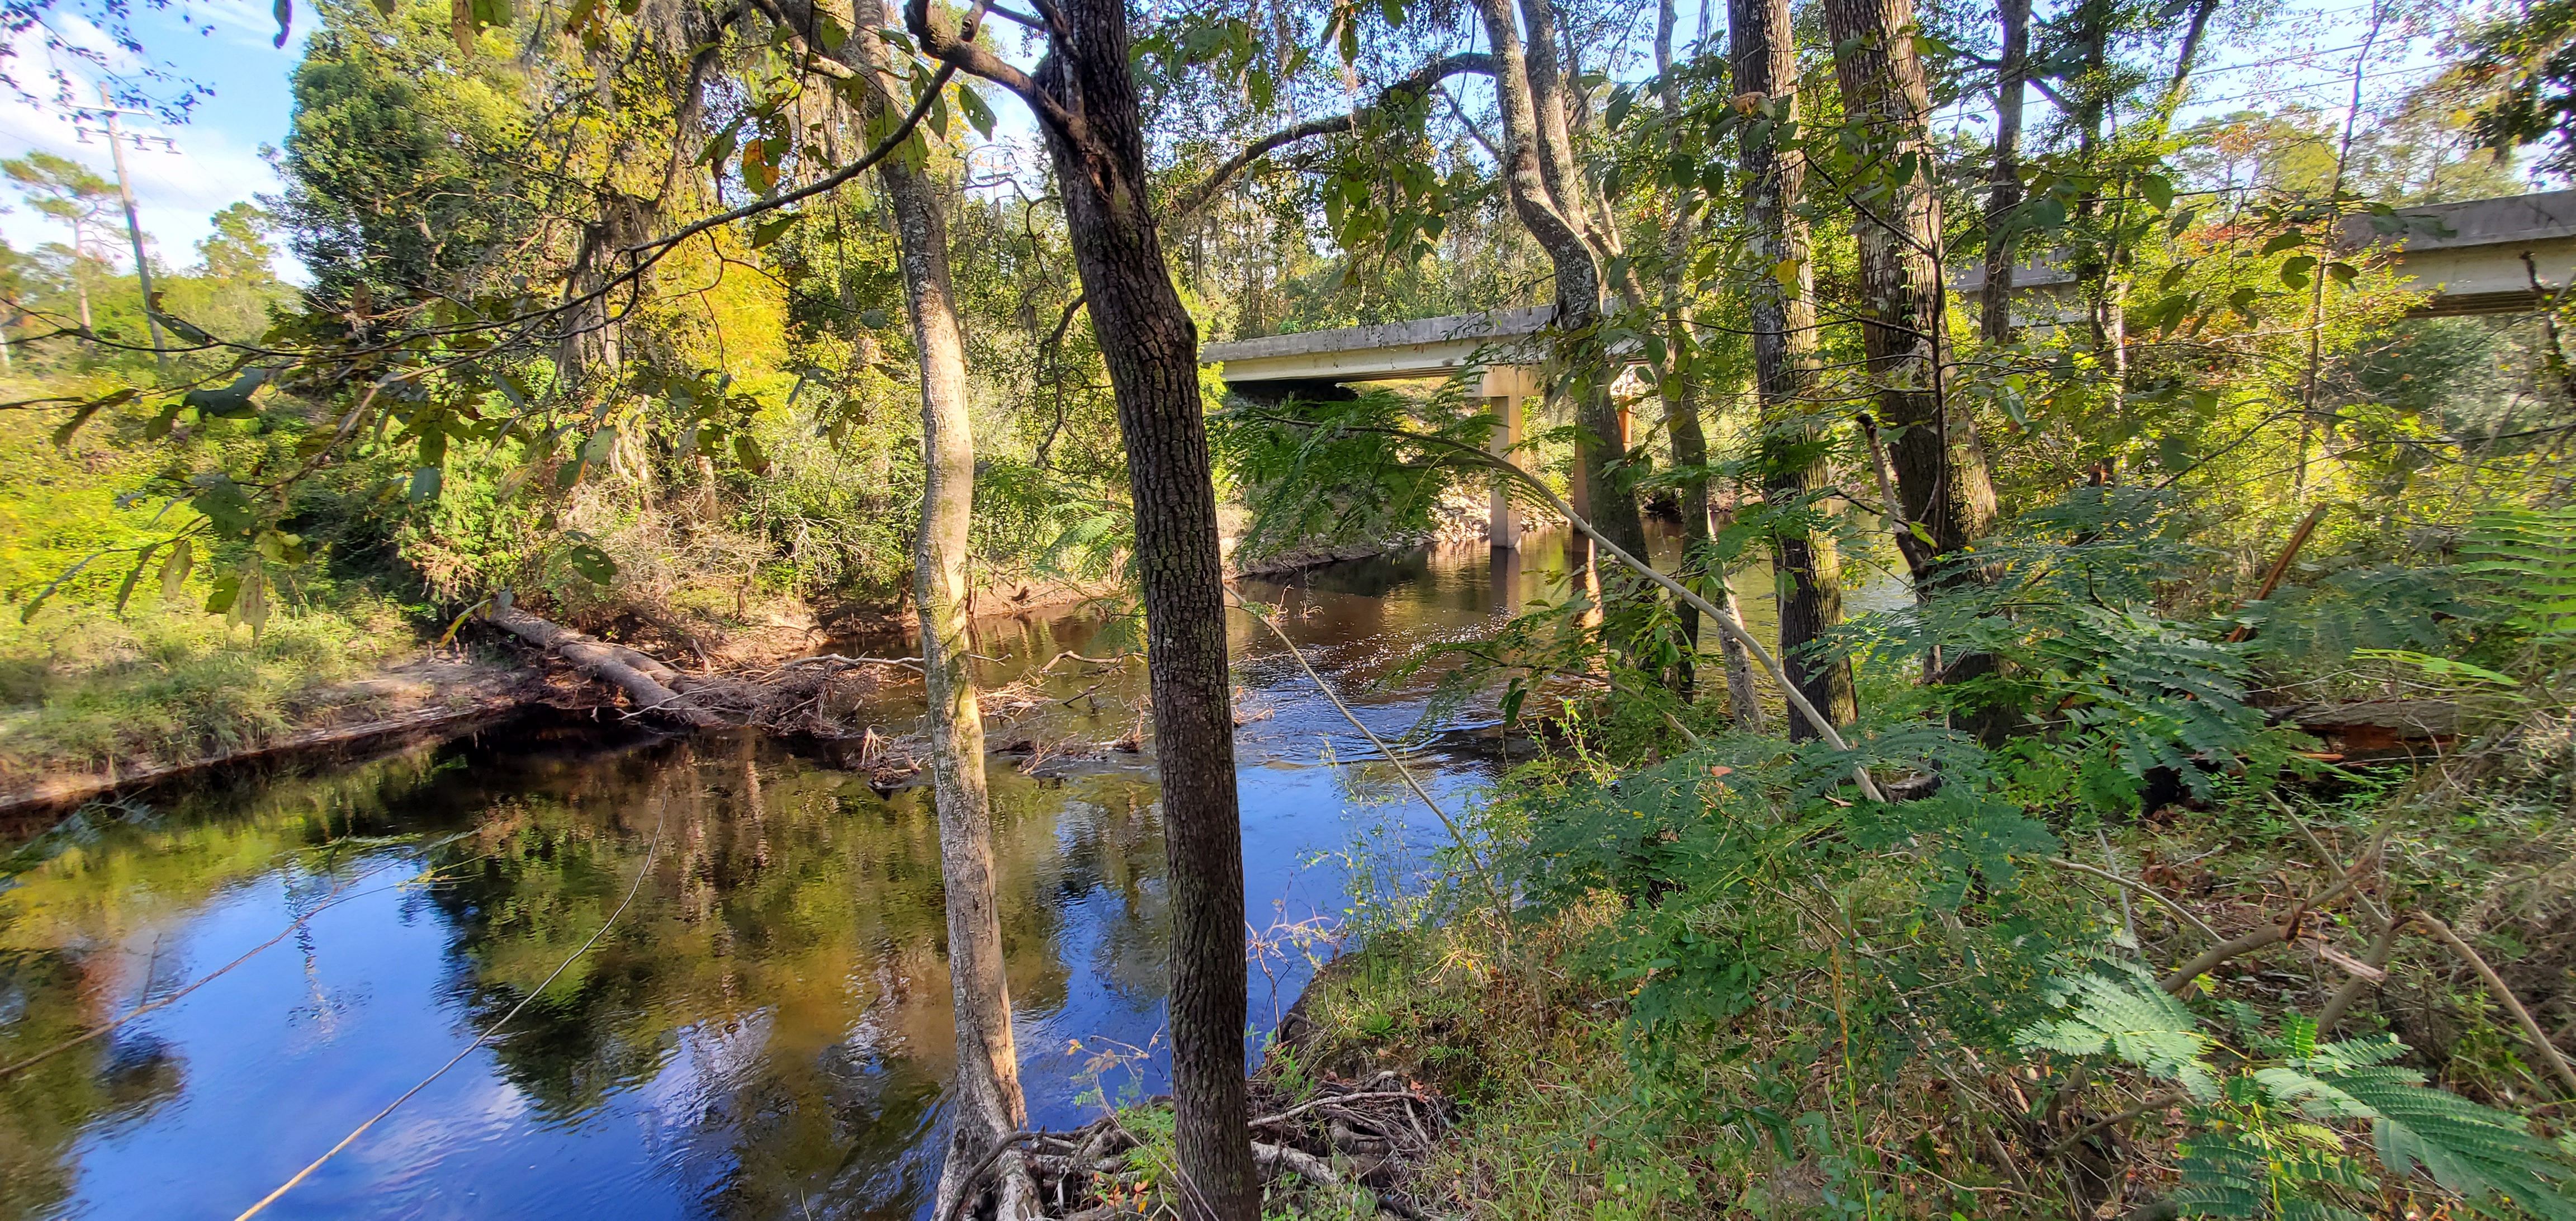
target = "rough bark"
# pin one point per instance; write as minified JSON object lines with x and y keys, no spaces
{"x":1086,"y":103}
{"x":653,"y":687}
{"x":1555,"y":225}
{"x":1781,"y":304}
{"x":1940,"y":465}
{"x":1680,"y":394}
{"x":2004,"y":193}
{"x":991,"y":1105}
{"x":987,"y":1084}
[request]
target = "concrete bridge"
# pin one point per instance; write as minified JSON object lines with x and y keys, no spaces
{"x":2465,"y":258}
{"x":1500,"y":348}
{"x":2479,"y":257}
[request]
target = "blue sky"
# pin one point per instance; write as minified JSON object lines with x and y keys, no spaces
{"x":217,"y":160}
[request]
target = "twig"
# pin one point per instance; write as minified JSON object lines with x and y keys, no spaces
{"x":966,"y":1187}
{"x":2351,"y":989}
{"x":1304,"y":1107}
{"x":2267,"y":935}
{"x":2513,"y":1004}
{"x":2155,"y":1103}
{"x":2281,"y":566}
{"x":836,"y":659}
{"x":2151,"y":892}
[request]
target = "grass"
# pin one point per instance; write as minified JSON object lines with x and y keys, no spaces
{"x":1568,"y":1110}
{"x":81,"y":690}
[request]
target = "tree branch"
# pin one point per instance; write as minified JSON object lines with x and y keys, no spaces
{"x":1420,"y":84}
{"x":959,"y":52}
{"x":2531,"y":1030}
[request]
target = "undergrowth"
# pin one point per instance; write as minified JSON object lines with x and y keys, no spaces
{"x":2142,"y":947}
{"x":80,"y":688}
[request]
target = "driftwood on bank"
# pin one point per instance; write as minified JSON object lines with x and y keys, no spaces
{"x":654,"y":687}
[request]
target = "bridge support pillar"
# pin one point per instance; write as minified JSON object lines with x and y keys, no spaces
{"x":1503,"y":387}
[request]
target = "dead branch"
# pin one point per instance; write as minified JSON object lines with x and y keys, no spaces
{"x":2531,"y":1030}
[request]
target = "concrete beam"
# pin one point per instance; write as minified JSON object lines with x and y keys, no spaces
{"x":1431,"y":347}
{"x":2467,"y":258}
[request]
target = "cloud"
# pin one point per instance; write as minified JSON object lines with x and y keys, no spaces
{"x":175,"y":192}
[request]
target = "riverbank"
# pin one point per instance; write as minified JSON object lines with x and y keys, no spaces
{"x":91,"y":704}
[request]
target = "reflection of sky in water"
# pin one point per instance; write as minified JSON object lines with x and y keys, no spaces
{"x":763,"y":1036}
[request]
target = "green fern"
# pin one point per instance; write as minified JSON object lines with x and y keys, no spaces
{"x":2137,"y":1024}
{"x":2527,"y":559}
{"x":2263,"y":1144}
{"x":2485,"y":1156}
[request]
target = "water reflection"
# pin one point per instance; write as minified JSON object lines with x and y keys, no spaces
{"x":764,"y":1034}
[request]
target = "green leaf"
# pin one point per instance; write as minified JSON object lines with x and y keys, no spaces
{"x":227,"y":589}
{"x":174,"y":570}
{"x":767,"y":231}
{"x":2135,"y":1022}
{"x":722,"y":145}
{"x":978,"y":115}
{"x":1621,"y":99}
{"x":2473,"y":1151}
{"x":2287,"y":241}
{"x":125,"y":588}
{"x":63,"y":435}
{"x":233,"y":401}
{"x":425,"y":482}
{"x":591,"y":562}
{"x":2159,"y":191}
{"x":226,"y":505}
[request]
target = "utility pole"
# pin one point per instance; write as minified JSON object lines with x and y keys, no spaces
{"x":133,"y":226}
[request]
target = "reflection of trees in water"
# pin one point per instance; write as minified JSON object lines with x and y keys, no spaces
{"x":780,"y":979}
{"x":90,"y":923}
{"x":1110,"y":842}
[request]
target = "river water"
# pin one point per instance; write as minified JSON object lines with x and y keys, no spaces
{"x":764,"y":1032}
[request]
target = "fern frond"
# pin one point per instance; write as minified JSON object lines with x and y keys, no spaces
{"x":2135,"y":1022}
{"x":2487,"y":1157}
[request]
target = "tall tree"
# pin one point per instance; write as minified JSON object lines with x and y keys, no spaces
{"x":2004,"y":193}
{"x":1537,"y":162}
{"x":1781,"y":303}
{"x":1681,"y":389}
{"x":1084,"y":96}
{"x":987,"y":1086}
{"x":64,"y":190}
{"x":1941,"y":476}
{"x":990,"y":1103}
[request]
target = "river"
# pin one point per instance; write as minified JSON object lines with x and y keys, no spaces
{"x":764,"y":1032}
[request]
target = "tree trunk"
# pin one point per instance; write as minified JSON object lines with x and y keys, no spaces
{"x":989,"y":1105}
{"x":987,"y":1086}
{"x":1782,"y":308}
{"x":1085,"y":99}
{"x":654,"y":687}
{"x":1612,"y":499}
{"x":1679,"y":393}
{"x":2012,"y":87}
{"x":1087,"y":104}
{"x":1940,"y":466}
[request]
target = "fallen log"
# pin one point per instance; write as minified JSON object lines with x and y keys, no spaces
{"x":646,"y":681}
